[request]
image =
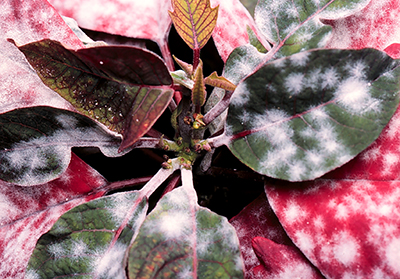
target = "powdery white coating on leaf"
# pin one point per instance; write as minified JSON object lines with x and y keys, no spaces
{"x":392,"y":254}
{"x":173,"y":225}
{"x":120,"y":17}
{"x":19,"y":84}
{"x":346,"y":248}
{"x":294,"y":83}
{"x":375,"y":26}
{"x":354,"y":229}
{"x":109,"y":264}
{"x":300,"y":59}
{"x":353,"y":94}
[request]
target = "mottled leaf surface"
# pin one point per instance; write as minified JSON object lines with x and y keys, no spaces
{"x":376,"y":26}
{"x":90,"y":240}
{"x":125,"y":88}
{"x":35,"y":142}
{"x":180,"y":239}
{"x":266,"y":249}
{"x":28,"y":212}
{"x":345,"y":227}
{"x":300,"y":117}
{"x":295,"y":25}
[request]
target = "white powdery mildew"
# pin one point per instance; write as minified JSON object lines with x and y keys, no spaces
{"x":345,"y":248}
{"x":110,"y":265}
{"x":174,"y":225}
{"x":356,"y":69}
{"x":329,"y":78}
{"x":300,"y":59}
{"x":294,"y":83}
{"x":304,"y":241}
{"x":390,"y":160}
{"x":392,"y":255}
{"x":241,"y":95}
{"x":293,"y":213}
{"x":354,"y":95}
{"x":119,"y":206}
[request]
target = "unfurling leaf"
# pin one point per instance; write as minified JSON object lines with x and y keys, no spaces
{"x":199,"y":92}
{"x":36,"y":142}
{"x":90,"y":239}
{"x":221,"y":82}
{"x":180,"y":239}
{"x":125,"y":88}
{"x":180,"y":77}
{"x":299,"y":117}
{"x":194,"y":21}
{"x":188,"y":68}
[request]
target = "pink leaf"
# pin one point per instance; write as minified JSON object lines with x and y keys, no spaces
{"x":28,"y":212}
{"x":27,"y":21}
{"x":376,"y":26}
{"x":230,"y":31}
{"x":150,"y":20}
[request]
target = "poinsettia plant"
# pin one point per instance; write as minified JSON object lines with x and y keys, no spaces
{"x":307,"y":103}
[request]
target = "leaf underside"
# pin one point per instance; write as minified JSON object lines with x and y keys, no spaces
{"x":125,"y":88}
{"x":194,"y":21}
{"x":300,"y":117}
{"x":35,"y":142}
{"x":90,"y":240}
{"x":179,"y":240}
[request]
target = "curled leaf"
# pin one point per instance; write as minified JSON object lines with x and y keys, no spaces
{"x":221,"y":82}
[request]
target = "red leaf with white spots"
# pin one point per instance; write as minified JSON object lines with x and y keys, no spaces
{"x":376,"y":26}
{"x":24,"y":22}
{"x":262,"y":236}
{"x":150,"y":20}
{"x":28,"y":212}
{"x":347,"y":228}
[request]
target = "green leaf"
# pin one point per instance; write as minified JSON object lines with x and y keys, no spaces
{"x":300,"y":117}
{"x":180,"y":239}
{"x":194,"y":21}
{"x":90,"y":240}
{"x":296,"y":24}
{"x":35,"y":142}
{"x":125,"y":88}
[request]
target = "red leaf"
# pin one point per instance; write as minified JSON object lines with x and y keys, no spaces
{"x":27,"y":21}
{"x":28,"y":212}
{"x":346,"y":228}
{"x":259,"y":229}
{"x":376,"y":26}
{"x":281,"y":261}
